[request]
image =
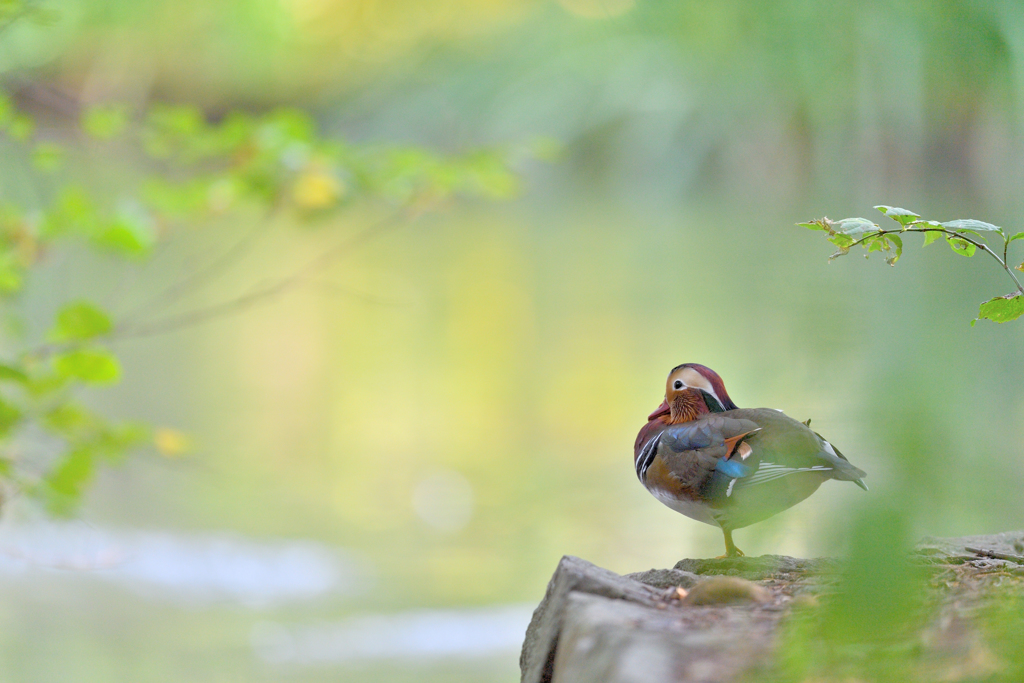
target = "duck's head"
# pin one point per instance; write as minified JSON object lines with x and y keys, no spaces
{"x":693,"y":390}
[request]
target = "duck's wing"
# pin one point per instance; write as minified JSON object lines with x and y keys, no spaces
{"x":787,"y":448}
{"x":685,"y":458}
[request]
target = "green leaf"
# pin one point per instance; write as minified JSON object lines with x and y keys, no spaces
{"x":78,"y":321}
{"x":184,"y":120}
{"x":855,"y":227}
{"x":1019,"y":235}
{"x":67,"y":480}
{"x":899,"y":250}
{"x":71,"y":421}
{"x":6,"y":110}
{"x":962,"y":247}
{"x":127,"y":234}
{"x":45,"y":384}
{"x":48,"y":157}
{"x":115,"y":440}
{"x":931,"y":236}
{"x":9,"y":373}
{"x":94,"y":366}
{"x":10,"y":273}
{"x":79,"y":426}
{"x":129,"y":434}
{"x":9,"y":416}
{"x":104,"y":122}
{"x":21,"y":127}
{"x":185,"y":199}
{"x":840,"y":240}
{"x":73,"y":213}
{"x":169,"y":130}
{"x":970,"y":224}
{"x":484,"y":174}
{"x":967,"y":231}
{"x":901,"y":216}
{"x":1003,"y":308}
{"x":284,"y":127}
{"x":817,"y":224}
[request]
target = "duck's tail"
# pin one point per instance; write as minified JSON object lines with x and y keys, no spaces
{"x":841,"y":467}
{"x":844,"y":471}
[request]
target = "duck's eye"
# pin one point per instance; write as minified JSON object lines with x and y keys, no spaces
{"x":677,"y":385}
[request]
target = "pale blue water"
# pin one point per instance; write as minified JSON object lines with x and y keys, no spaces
{"x":205,"y":572}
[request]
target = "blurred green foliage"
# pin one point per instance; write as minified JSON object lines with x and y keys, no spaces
{"x":195,"y":170}
{"x":868,"y":623}
{"x":888,"y":619}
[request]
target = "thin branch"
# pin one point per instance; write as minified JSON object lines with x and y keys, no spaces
{"x":196,"y":317}
{"x":980,"y":245}
{"x":175,"y":291}
{"x":267,"y":291}
{"x":341,"y":290}
{"x":1003,"y":264}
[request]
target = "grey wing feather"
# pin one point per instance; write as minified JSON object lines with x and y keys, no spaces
{"x":829,"y":460}
{"x":705,"y":433}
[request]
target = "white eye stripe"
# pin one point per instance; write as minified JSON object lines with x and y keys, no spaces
{"x":691,"y":379}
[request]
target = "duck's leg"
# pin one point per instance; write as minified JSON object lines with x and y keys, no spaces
{"x":730,"y":548}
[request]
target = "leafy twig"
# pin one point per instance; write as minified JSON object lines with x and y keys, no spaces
{"x":851,"y":232}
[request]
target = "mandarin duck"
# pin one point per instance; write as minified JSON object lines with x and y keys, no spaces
{"x":702,"y":455}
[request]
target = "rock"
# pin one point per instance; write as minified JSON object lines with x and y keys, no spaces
{"x":631,"y":617}
{"x":665,"y":578}
{"x":614,"y":642}
{"x":596,"y":626}
{"x":1004,"y":546}
{"x":573,"y":574}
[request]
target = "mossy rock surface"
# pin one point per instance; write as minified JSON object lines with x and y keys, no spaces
{"x":758,"y":568}
{"x":677,"y":624}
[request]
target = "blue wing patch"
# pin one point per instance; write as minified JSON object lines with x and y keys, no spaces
{"x":724,"y":478}
{"x":731,"y":468}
